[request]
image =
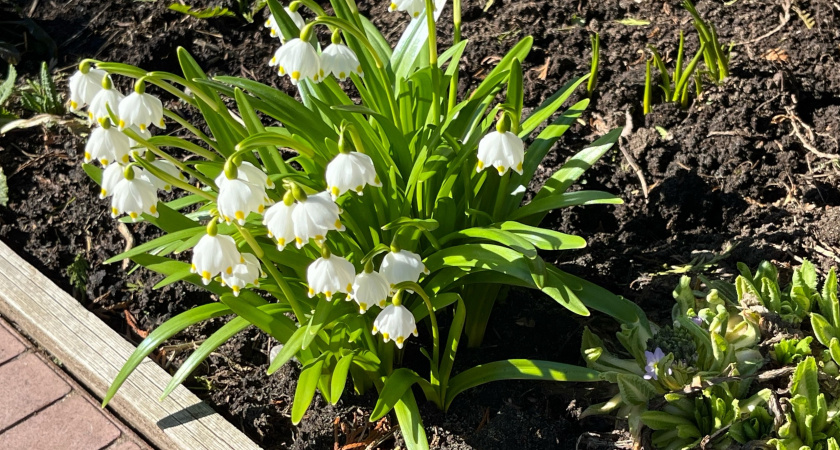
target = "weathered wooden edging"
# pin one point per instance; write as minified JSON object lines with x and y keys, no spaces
{"x":94,"y":353}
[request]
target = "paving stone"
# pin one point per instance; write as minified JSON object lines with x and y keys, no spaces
{"x":73,"y":423}
{"x":125,"y":445}
{"x":10,"y":346}
{"x":28,"y":384}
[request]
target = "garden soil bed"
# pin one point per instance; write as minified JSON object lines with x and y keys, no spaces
{"x":738,"y":169}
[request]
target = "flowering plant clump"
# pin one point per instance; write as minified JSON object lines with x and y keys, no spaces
{"x":394,"y":210}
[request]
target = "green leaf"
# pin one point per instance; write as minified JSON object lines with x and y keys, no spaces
{"x":305,"y":391}
{"x":600,"y":299}
{"x":805,"y":382}
{"x":564,"y":200}
{"x":339,"y":377}
{"x":275,"y":327}
{"x":517,"y":369}
{"x":515,"y":94}
{"x":8,"y":86}
{"x":578,"y":164}
{"x":542,"y":238}
{"x":395,"y":386}
{"x":166,"y":239}
{"x":421,"y":224}
{"x":163,"y":332}
{"x":202,"y":13}
{"x":823,"y":330}
{"x":629,"y":21}
{"x":496,"y":235}
{"x":452,"y":340}
{"x":551,"y":105}
{"x":634,"y":389}
{"x":660,"y":420}
{"x":411,"y":425}
{"x":481,"y":256}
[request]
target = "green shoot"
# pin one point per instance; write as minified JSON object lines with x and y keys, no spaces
{"x":593,"y":72}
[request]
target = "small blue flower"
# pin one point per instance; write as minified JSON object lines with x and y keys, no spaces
{"x":652,"y":359}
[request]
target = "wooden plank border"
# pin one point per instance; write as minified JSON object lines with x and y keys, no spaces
{"x":94,"y":353}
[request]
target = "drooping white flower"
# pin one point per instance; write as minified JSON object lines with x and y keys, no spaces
{"x":350,"y":171}
{"x":278,"y":221}
{"x":134,"y":196}
{"x":271,"y":24}
{"x":104,"y":99}
{"x":412,"y":7}
{"x":84,"y":86}
{"x":238,"y":198}
{"x":214,"y":255}
{"x":106,"y":144}
{"x":244,"y":273}
{"x":299,"y":60}
{"x":314,"y":217}
{"x":341,"y":61}
{"x":141,"y":109}
{"x":112,"y":175}
{"x":395,"y":322}
{"x":402,"y":266}
{"x":168,"y":168}
{"x":370,"y":288}
{"x":330,"y":275}
{"x":252,"y":174}
{"x":504,"y":150}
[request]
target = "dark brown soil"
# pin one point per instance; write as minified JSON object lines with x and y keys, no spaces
{"x":730,"y":170}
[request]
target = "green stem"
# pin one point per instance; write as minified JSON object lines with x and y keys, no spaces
{"x":501,"y":196}
{"x":198,"y":133}
{"x":172,"y":181}
{"x":179,"y":164}
{"x":456,"y":38}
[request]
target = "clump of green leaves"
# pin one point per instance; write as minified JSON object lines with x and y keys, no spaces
{"x":790,"y":351}
{"x":762,"y":293}
{"x":715,"y":57}
{"x":246,"y":9}
{"x":41,"y":96}
{"x":7,"y":88}
{"x":77,"y":275}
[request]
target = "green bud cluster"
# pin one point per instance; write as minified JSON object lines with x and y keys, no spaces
{"x":676,"y":340}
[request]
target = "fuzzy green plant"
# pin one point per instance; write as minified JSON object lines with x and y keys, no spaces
{"x":396,"y":211}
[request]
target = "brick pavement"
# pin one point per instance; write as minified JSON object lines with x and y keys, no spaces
{"x":42,"y":408}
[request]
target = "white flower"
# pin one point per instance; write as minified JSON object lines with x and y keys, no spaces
{"x":275,"y":29}
{"x":329,"y":276}
{"x":503,"y":150}
{"x":239,"y":198}
{"x":104,"y":99}
{"x":314,"y":217}
{"x":340,"y":60}
{"x":395,"y":322}
{"x":141,"y":110}
{"x":244,"y":273}
{"x":350,"y":171}
{"x":252,"y":174}
{"x":278,"y":221}
{"x":402,"y":266}
{"x":107,"y":144}
{"x":134,"y":197}
{"x":168,"y":168}
{"x":412,"y":7}
{"x":85,"y":86}
{"x":299,"y":60}
{"x":214,"y":255}
{"x":369,"y":289}
{"x":112,"y":175}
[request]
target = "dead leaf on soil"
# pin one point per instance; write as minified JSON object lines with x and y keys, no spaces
{"x":776,"y":54}
{"x":543,"y":71}
{"x":132,"y":323}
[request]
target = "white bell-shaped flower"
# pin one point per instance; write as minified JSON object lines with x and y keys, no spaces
{"x":84,"y":85}
{"x":402,"y":266}
{"x":370,"y":288}
{"x":254,"y":175}
{"x":243,"y":274}
{"x":299,"y":60}
{"x":238,"y":198}
{"x":134,"y":196}
{"x":341,"y":61}
{"x":278,"y":221}
{"x":214,"y":255}
{"x":271,"y":24}
{"x":104,"y":99}
{"x":395,"y":322}
{"x":166,"y":167}
{"x":112,"y":175}
{"x":350,"y":171}
{"x":412,"y":7}
{"x":504,"y":150}
{"x":330,"y":275}
{"x":314,"y":217}
{"x":106,"y":144}
{"x":141,"y":109}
